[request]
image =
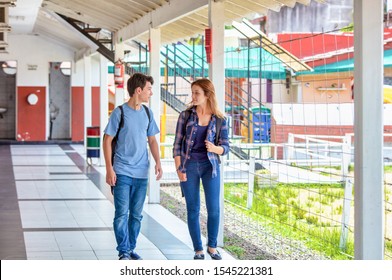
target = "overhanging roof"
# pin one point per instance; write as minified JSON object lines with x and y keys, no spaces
{"x":346,"y":65}
{"x":131,"y":19}
{"x":261,"y":39}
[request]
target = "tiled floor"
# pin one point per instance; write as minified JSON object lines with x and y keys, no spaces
{"x":54,"y":206}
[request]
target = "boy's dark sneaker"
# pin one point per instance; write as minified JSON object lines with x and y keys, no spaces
{"x":135,"y":256}
{"x":124,"y":257}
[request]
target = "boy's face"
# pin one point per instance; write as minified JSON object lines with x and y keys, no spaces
{"x":146,"y":92}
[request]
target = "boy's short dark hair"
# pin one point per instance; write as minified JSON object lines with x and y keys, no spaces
{"x":138,"y":80}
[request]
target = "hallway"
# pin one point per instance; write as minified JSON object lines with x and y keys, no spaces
{"x":54,"y":207}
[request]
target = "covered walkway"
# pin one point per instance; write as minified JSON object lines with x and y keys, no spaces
{"x":60,"y":208}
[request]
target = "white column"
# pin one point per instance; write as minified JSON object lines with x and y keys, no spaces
{"x":104,"y":102}
{"x":120,"y":93}
{"x":155,"y":72}
{"x":368,"y":139}
{"x":119,"y":96}
{"x":217,"y":68}
{"x":87,"y":95}
{"x":216,"y":20}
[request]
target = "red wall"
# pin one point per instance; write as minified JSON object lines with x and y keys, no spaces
{"x":77,"y":113}
{"x":31,"y":118}
{"x":95,"y":109}
{"x":306,"y":44}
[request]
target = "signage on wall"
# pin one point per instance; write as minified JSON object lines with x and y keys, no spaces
{"x":32,"y":67}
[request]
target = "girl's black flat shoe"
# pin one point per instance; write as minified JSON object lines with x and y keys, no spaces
{"x":198,"y":257}
{"x":215,"y":256}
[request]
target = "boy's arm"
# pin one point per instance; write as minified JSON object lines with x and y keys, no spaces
{"x":152,"y":142}
{"x":107,"y":152}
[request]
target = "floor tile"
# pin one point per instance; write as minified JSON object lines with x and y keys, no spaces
{"x":40,"y":242}
{"x":72,"y":241}
{"x":79,"y":255}
{"x":50,"y":255}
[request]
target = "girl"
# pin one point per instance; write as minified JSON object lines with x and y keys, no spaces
{"x":201,"y":136}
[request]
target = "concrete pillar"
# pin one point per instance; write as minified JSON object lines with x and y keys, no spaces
{"x":87,"y":95}
{"x":216,"y":19}
{"x":104,"y":101}
{"x":155,"y":72}
{"x":120,"y":93}
{"x":368,"y":122}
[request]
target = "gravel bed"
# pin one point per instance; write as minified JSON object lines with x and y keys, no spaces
{"x":244,"y":238}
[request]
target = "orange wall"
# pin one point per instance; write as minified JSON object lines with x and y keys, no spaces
{"x":235,"y":95}
{"x":77,"y":113}
{"x":95,"y":109}
{"x":31,"y":118}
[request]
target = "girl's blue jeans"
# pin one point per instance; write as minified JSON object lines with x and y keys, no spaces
{"x":197,"y":171}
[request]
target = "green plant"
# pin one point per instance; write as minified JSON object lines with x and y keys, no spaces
{"x":339,"y":209}
{"x":237,"y":251}
{"x":312,"y":220}
{"x":348,"y":28}
{"x":388,"y":169}
{"x":281,"y":210}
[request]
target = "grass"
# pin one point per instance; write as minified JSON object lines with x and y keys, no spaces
{"x":304,"y":212}
{"x":310,"y":213}
{"x":236,"y":251}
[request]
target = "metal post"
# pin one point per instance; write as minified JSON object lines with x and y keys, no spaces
{"x":368,"y":128}
{"x":251,"y":182}
{"x":290,"y":150}
{"x":348,"y":198}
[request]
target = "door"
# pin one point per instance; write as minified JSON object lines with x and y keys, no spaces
{"x":7,"y":99}
{"x":59,"y":101}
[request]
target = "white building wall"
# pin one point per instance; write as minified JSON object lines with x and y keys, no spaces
{"x":31,"y":51}
{"x":95,"y":71}
{"x":77,"y":76}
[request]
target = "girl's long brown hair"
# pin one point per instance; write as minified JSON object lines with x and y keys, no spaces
{"x":209,"y":92}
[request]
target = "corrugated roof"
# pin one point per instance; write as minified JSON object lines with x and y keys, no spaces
{"x":130,"y":19}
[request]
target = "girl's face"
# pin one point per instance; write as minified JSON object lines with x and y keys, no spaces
{"x":198,"y":96}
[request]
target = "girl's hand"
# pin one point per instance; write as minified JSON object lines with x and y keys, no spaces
{"x":210,"y":146}
{"x":181,"y":176}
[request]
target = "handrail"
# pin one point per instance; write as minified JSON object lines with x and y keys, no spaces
{"x":198,"y":56}
{"x":175,"y":68}
{"x":179,"y":50}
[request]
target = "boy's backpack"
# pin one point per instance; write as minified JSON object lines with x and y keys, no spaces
{"x":121,"y":125}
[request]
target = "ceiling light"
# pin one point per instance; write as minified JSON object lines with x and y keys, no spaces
{"x":4,"y":27}
{"x":8,"y":3}
{"x":17,"y":18}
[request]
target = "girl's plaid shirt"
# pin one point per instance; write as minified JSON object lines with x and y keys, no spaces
{"x":185,"y":138}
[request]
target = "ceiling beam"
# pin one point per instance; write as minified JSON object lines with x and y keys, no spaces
{"x":163,"y":15}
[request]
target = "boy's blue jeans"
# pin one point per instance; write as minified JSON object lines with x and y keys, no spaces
{"x":129,"y":195}
{"x":191,"y":189}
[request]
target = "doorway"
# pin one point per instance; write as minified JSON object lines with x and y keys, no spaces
{"x":59,"y":101}
{"x":7,"y":99}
